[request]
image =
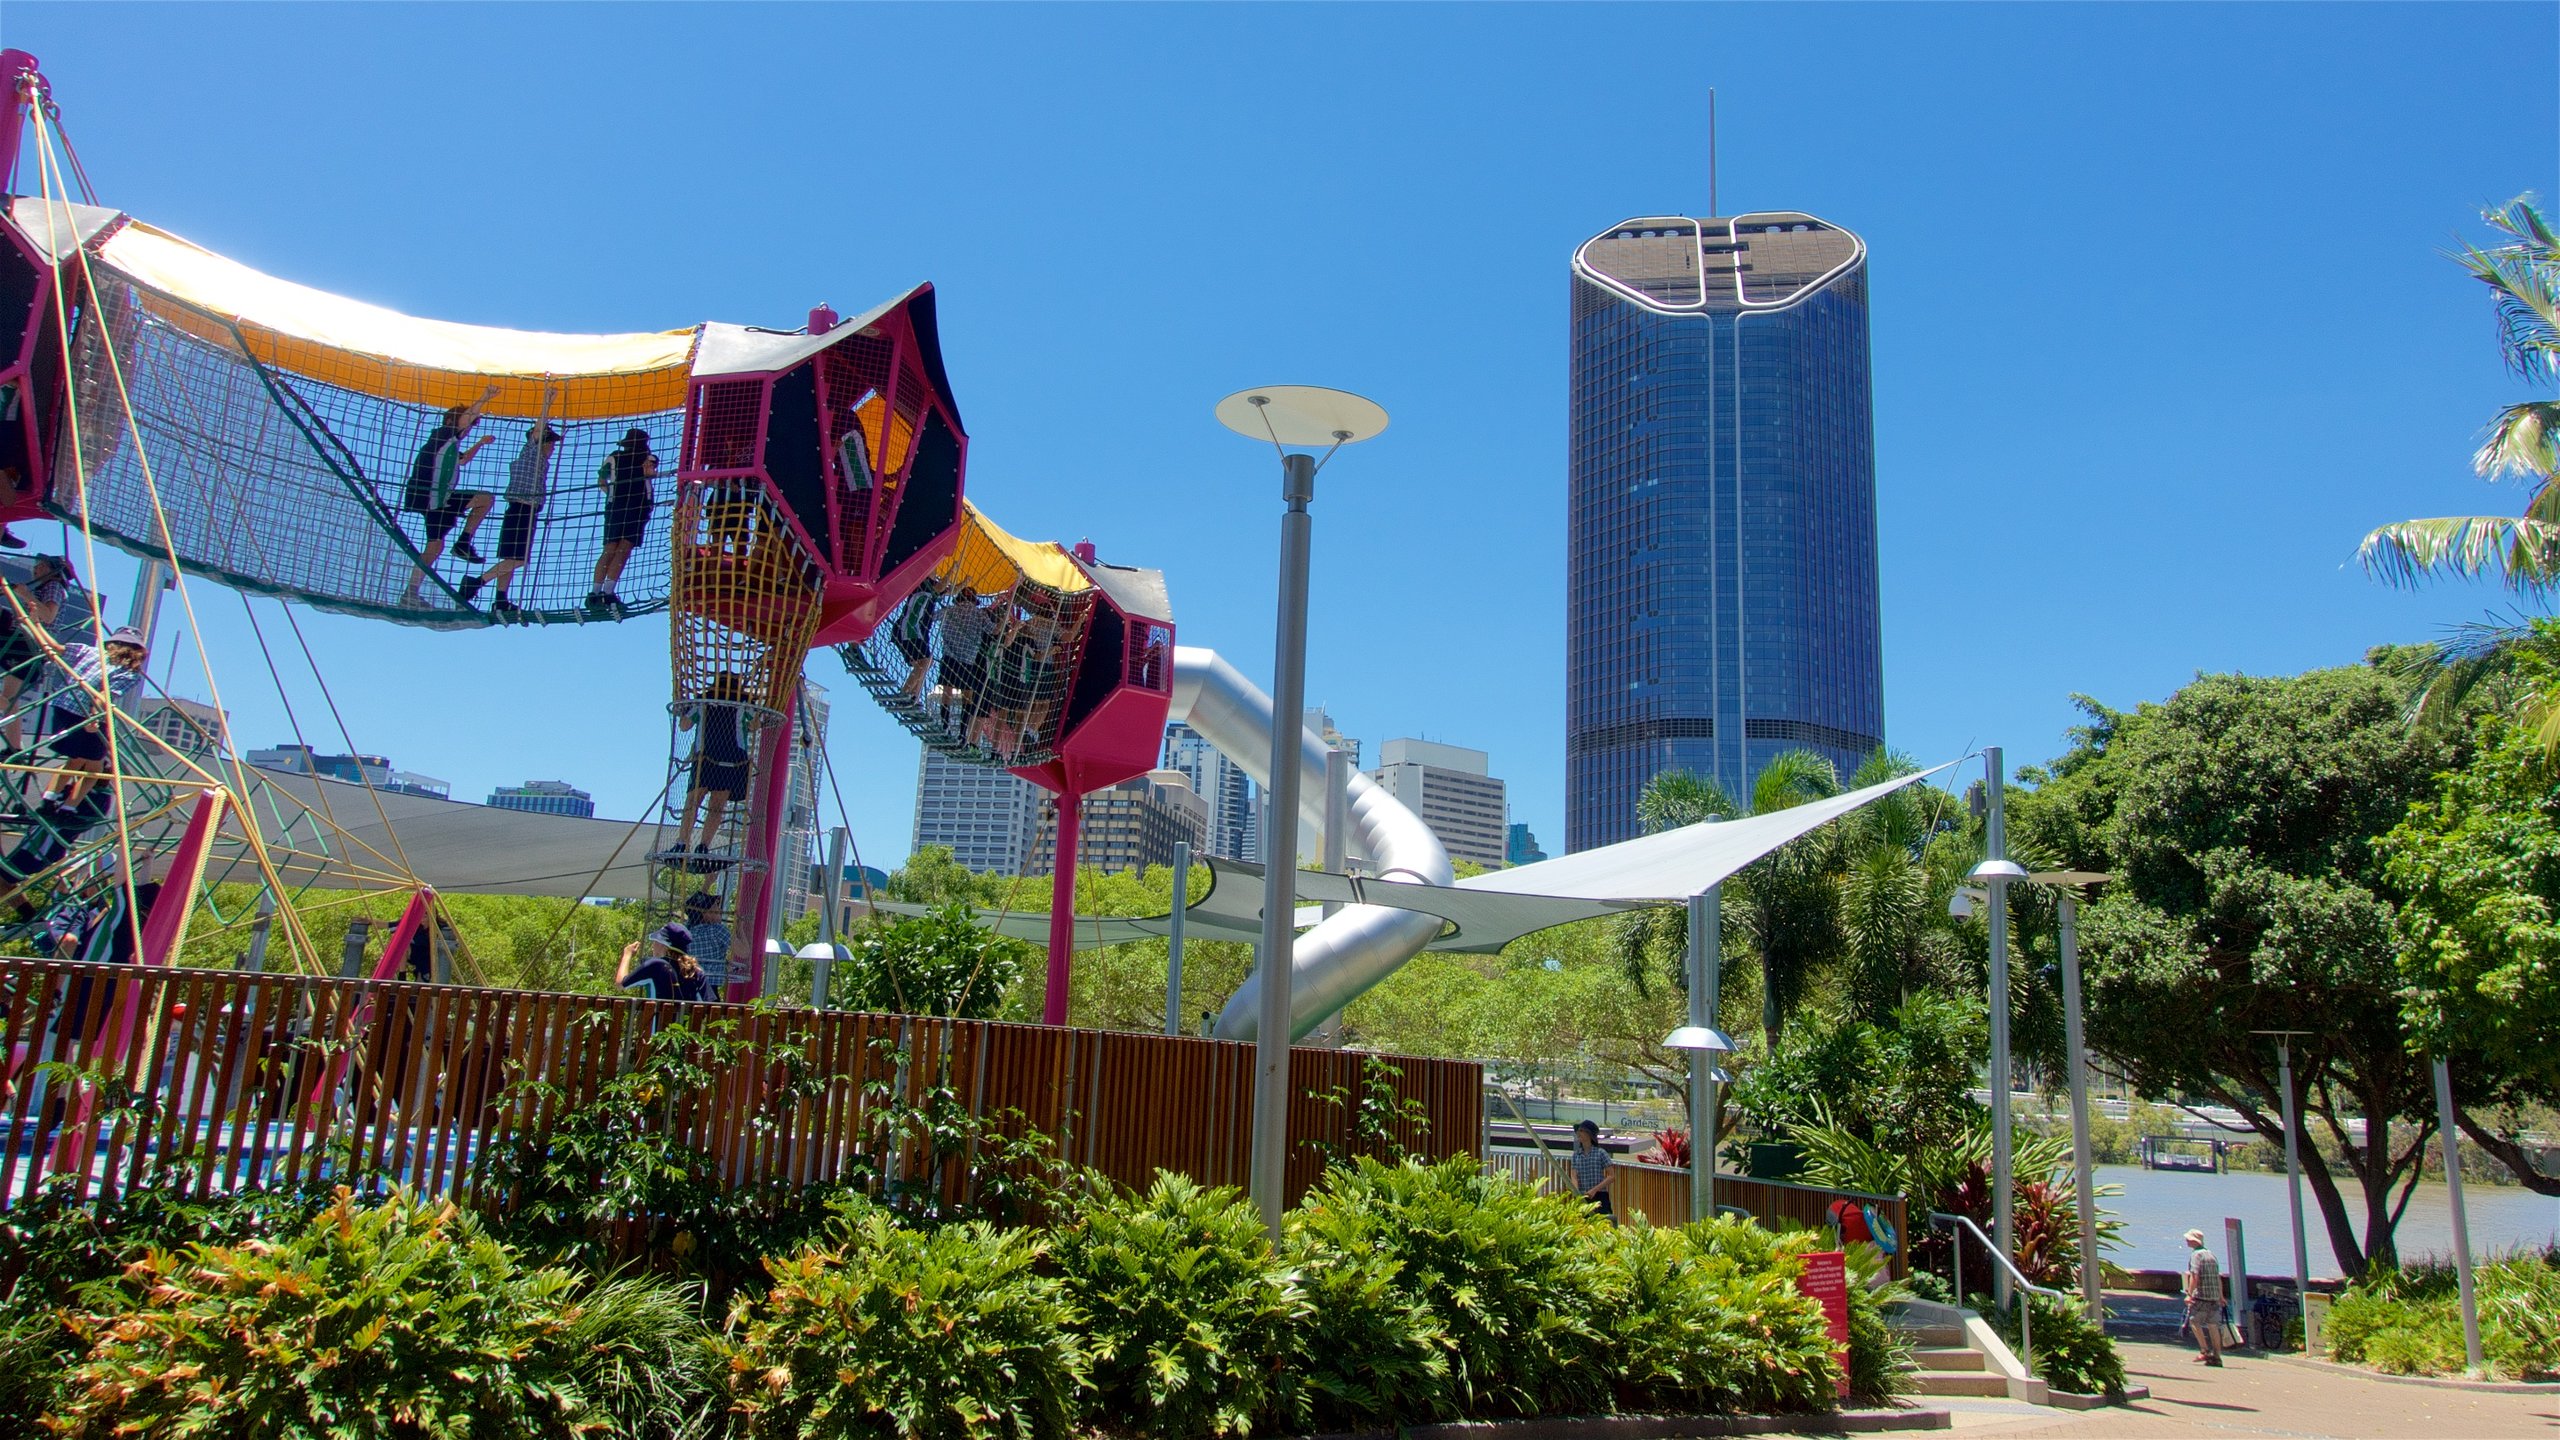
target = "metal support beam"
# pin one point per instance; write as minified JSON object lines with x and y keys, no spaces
{"x":1280,"y":847}
{"x":1173,"y":937}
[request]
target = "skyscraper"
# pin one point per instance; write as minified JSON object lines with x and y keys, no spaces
{"x":1220,"y":782}
{"x":1454,"y":791}
{"x":1721,"y":596}
{"x":990,"y":818}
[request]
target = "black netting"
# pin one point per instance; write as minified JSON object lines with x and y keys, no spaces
{"x":287,"y":484}
{"x":989,"y":687}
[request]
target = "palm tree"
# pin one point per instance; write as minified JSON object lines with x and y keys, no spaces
{"x":1900,"y":859}
{"x":2523,"y":443}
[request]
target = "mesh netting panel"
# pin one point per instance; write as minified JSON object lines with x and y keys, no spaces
{"x":290,"y":484}
{"x":982,"y":678}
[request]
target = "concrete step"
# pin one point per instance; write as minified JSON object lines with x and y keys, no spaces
{"x":1930,"y":1382}
{"x":1947,"y":1358}
{"x":1935,"y":1336}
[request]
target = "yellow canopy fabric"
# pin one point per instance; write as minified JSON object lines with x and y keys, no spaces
{"x":988,"y":560}
{"x":402,"y":358}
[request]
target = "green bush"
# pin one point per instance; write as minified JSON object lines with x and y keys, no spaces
{"x":1704,"y":1330}
{"x":2069,"y":1352}
{"x":402,"y":1321}
{"x":1368,"y":1351}
{"x":951,"y":1334}
{"x":1880,"y":1364}
{"x":2409,"y":1321}
{"x":1188,"y":1318}
{"x":1513,"y":1275}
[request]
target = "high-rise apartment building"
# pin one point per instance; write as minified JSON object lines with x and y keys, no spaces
{"x":1221,"y":784}
{"x":195,"y":729}
{"x":1132,"y":825}
{"x":801,"y":849}
{"x":1521,"y":848}
{"x":989,"y":818}
{"x":545,"y":797}
{"x":1722,"y":595}
{"x":1450,"y":788}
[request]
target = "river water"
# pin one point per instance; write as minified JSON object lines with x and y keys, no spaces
{"x":2159,"y":1206}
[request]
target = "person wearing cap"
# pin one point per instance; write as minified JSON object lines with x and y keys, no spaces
{"x":528,"y":485}
{"x":434,"y":492}
{"x":2202,"y":1288}
{"x":26,"y":611}
{"x":1591,"y":1168}
{"x":711,"y":938}
{"x":625,"y":478}
{"x":85,"y":674}
{"x":668,"y":972}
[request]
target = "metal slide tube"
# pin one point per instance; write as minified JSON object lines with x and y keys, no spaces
{"x":1332,"y":964}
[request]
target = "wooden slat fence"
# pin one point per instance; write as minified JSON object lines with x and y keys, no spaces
{"x":225,"y":1080}
{"x":1661,"y":1194}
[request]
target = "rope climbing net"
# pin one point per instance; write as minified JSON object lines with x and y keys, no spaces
{"x":370,"y":484}
{"x":978,"y":662}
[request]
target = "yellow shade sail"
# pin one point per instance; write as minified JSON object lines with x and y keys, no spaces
{"x":989,"y":561}
{"x":402,"y":358}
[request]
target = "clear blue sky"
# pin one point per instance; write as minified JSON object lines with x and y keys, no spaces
{"x":2161,"y":319}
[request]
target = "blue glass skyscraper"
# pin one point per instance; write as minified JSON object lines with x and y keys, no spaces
{"x":1722,"y":594}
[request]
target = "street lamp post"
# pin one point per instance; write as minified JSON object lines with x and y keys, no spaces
{"x":1994,"y":874}
{"x":1286,"y":415}
{"x":1704,"y":1043}
{"x":1706,"y":962}
{"x":2293,"y":1180}
{"x":2067,"y":884}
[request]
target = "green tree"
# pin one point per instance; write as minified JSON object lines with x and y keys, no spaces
{"x":939,"y":963}
{"x":2239,"y":819}
{"x":2522,"y":274}
{"x":2479,"y":863}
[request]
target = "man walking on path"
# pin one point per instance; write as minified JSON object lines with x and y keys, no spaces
{"x":2203,"y":1291}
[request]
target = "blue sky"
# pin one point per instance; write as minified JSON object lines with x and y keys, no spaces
{"x":2161,"y":320}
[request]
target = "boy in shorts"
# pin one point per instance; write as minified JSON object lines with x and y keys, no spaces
{"x":528,"y":477}
{"x":432,"y":492}
{"x":80,"y":727}
{"x":720,"y":759}
{"x":625,"y":481}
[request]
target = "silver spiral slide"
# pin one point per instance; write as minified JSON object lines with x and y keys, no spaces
{"x":1360,"y":945}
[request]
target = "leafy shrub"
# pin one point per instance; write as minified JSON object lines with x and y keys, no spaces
{"x":949,"y":1334}
{"x":1514,"y":1276}
{"x":938,"y":963}
{"x":403,"y":1321}
{"x":1377,"y":1115}
{"x":2069,"y":1353}
{"x":2409,"y":1321}
{"x":57,"y":1242}
{"x":1188,"y":1317}
{"x":1367,"y":1350}
{"x":1702,"y":1330}
{"x":1880,"y":1365}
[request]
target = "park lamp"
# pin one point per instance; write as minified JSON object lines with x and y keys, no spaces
{"x":1700,"y":1039}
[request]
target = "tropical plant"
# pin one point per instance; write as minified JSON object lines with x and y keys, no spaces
{"x":2522,"y":274}
{"x":951,"y":1334}
{"x":1505,"y":1269}
{"x":2070,"y":1354}
{"x":1188,"y":1316}
{"x":2408,"y":1321}
{"x":1378,"y":1115}
{"x":1367,"y":1350}
{"x":937,"y":963}
{"x":1700,"y":1329}
{"x":400,"y":1320}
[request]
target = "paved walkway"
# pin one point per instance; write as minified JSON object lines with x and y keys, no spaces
{"x":2266,"y":1397}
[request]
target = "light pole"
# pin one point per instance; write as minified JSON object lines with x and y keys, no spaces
{"x":1703,"y":1044}
{"x":2472,"y":1361}
{"x":1706,"y":967}
{"x":1994,"y":874}
{"x":2293,"y":1180}
{"x":1286,"y":415}
{"x":2066,"y":884}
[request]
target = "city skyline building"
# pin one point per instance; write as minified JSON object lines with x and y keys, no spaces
{"x":989,"y":819}
{"x":1455,"y":792}
{"x":545,"y":797}
{"x":195,"y":729}
{"x":1132,"y":825}
{"x":1722,"y":596}
{"x":800,"y":828}
{"x":1520,"y":847}
{"x":1222,"y":785}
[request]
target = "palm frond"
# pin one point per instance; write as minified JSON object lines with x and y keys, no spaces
{"x":2523,"y":444}
{"x":1791,"y":778}
{"x":2521,"y":551}
{"x":1675,"y":798}
{"x":2524,"y":275}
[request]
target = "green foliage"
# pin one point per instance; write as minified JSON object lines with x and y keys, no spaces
{"x":1378,"y":1115}
{"x":54,"y":1243}
{"x":1702,"y":1328}
{"x":524,"y":942}
{"x":397,"y":1320}
{"x":952,"y":1334}
{"x":1506,"y":1270}
{"x":2409,"y":1321}
{"x":940,"y":963}
{"x":2069,"y":1353}
{"x":1902,"y":1087}
{"x":1188,"y":1316}
{"x":1368,"y":1349}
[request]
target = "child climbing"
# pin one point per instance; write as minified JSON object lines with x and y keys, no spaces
{"x":435,"y":495}
{"x":528,"y":485}
{"x":625,"y":478}
{"x":84,"y":675}
{"x":26,"y":611}
{"x":720,"y":760}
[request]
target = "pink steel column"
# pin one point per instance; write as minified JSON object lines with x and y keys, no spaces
{"x":18,"y":76}
{"x":167,"y":923}
{"x":764,"y":842}
{"x":1062,"y":910}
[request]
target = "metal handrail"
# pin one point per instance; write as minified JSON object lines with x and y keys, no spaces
{"x":1940,"y":1219}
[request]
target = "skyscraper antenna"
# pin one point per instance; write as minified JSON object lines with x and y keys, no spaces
{"x":1711,"y":152}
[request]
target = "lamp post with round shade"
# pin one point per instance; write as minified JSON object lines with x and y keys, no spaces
{"x":1993,"y":875}
{"x":1305,"y":416}
{"x":1703,"y":1044}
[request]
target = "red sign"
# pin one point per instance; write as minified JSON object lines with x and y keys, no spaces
{"x":1826,"y":1282}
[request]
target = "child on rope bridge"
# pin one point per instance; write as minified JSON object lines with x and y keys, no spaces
{"x":625,"y":478}
{"x":434,"y":495}
{"x":527,"y":487}
{"x":26,"y":611}
{"x":79,"y":725}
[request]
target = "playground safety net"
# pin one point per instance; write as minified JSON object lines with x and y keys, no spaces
{"x":978,"y":661}
{"x":315,"y":447}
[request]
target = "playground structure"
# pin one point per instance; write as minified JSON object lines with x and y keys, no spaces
{"x":772,"y":492}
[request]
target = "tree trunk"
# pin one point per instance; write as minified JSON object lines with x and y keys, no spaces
{"x":2508,"y":1153}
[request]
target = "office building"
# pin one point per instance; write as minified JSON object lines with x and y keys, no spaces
{"x":1721,"y":588}
{"x":196,"y":730}
{"x":1132,"y":825}
{"x":802,"y":847}
{"x":1221,"y":784}
{"x":1521,"y":847}
{"x":373,"y":770}
{"x":410,"y":782}
{"x":990,"y":819}
{"x":1322,"y":724}
{"x":1450,"y":787}
{"x":545,"y":797}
